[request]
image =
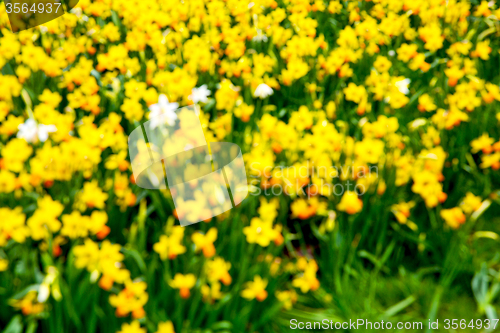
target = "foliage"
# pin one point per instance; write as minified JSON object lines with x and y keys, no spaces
{"x":370,"y":135}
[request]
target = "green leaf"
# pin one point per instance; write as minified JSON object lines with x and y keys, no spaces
{"x":26,"y":290}
{"x":15,"y":325}
{"x":222,"y":325}
{"x":399,"y":306}
{"x":480,"y":285}
{"x":32,"y":325}
{"x":134,"y":254}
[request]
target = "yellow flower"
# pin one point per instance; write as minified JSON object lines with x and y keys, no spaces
{"x":133,"y":327}
{"x":133,"y":109}
{"x":87,"y":255}
{"x":483,"y":50}
{"x":5,"y":108}
{"x":296,"y":68}
{"x":12,"y":225}
{"x":28,"y":304}
{"x":183,"y":283}
{"x":454,"y":217}
{"x":170,"y":246}
{"x":334,"y":7}
{"x":350,"y":203}
{"x":255,"y":289}
{"x":483,"y":143}
{"x":407,"y":51}
{"x":218,"y":269}
{"x":111,"y":32}
{"x":427,"y":185}
{"x":418,"y":62}
{"x":329,"y":223}
{"x":4,"y":264}
{"x":483,"y":9}
{"x":211,"y":293}
{"x":15,"y":153}
{"x":50,"y":98}
{"x":470,"y":203}
{"x":106,"y":260}
{"x":355,"y":93}
{"x":10,"y":125}
{"x":369,"y":150}
{"x":381,"y":128}
{"x":260,"y":232}
{"x":397,"y":100}
{"x":331,"y":109}
{"x":165,"y":327}
{"x":307,"y":280}
{"x":492,"y":93}
{"x":75,"y":225}
{"x":454,"y":74}
{"x":226,"y":96}
{"x":8,"y":181}
{"x":10,"y":86}
{"x":117,"y":161}
{"x":45,"y":218}
{"x":205,"y":242}
{"x":302,"y":119}
{"x":97,"y":224}
{"x":382,"y":64}
{"x":244,"y":111}
{"x":130,"y":300}
{"x":23,"y":73}
{"x":425,"y":103}
{"x":432,"y":35}
{"x":305,"y":209}
{"x":491,"y":160}
{"x":287,"y":297}
{"x":91,"y":196}
{"x":402,"y":211}
{"x":112,"y":273}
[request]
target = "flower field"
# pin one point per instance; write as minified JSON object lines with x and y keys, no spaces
{"x":371,"y":139}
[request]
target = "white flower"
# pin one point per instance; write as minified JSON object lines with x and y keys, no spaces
{"x":263,"y":91}
{"x":28,"y":130}
{"x":43,"y":293}
{"x":32,"y":132}
{"x":200,"y":94}
{"x":76,"y":10}
{"x":402,"y":86}
{"x":417,"y":123}
{"x":44,"y":130}
{"x":95,"y":274}
{"x":260,"y":37}
{"x":162,"y":113}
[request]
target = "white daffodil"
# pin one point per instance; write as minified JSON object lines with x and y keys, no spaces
{"x":260,"y":37}
{"x":402,"y":86}
{"x":44,"y":130}
{"x":417,"y":123}
{"x":162,"y":112}
{"x":32,"y":132}
{"x":200,"y":94}
{"x":263,"y":91}
{"x":43,"y":293}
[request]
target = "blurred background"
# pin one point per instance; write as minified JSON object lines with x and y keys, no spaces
{"x":370,"y":136}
